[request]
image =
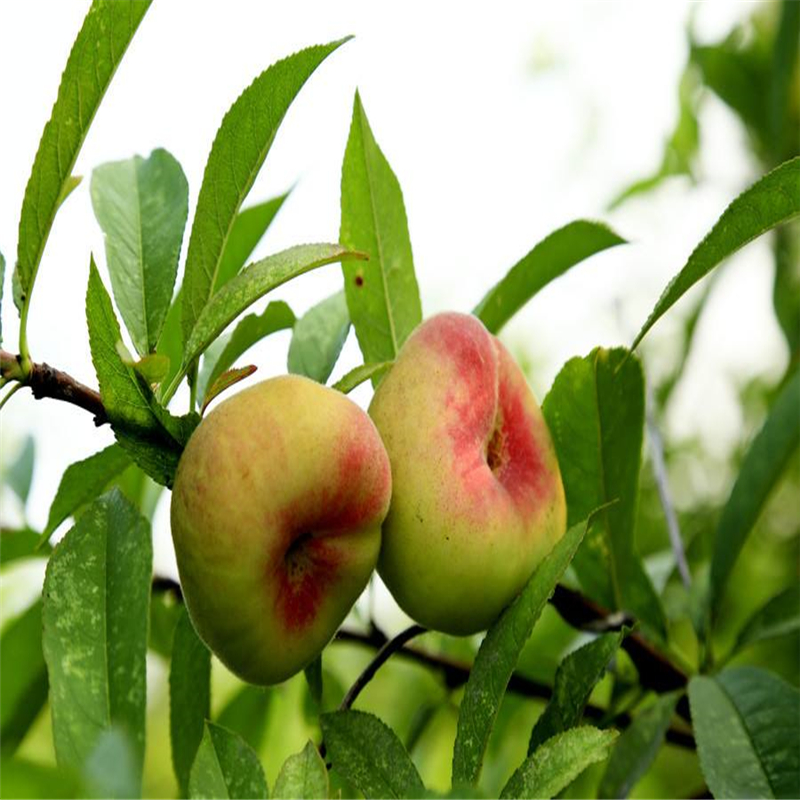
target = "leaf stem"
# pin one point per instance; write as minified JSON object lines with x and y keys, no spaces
{"x":11,"y":393}
{"x":24,"y":353}
{"x":383,"y":655}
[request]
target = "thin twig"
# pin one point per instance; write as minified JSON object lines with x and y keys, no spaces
{"x":662,"y":483}
{"x":11,"y":392}
{"x":383,"y":655}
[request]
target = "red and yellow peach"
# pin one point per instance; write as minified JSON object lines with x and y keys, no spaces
{"x":477,"y":499}
{"x":276,"y":519}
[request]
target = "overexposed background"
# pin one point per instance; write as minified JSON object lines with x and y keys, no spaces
{"x":500,"y":124}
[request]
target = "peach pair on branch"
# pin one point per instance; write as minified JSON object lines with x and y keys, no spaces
{"x":288,"y":495}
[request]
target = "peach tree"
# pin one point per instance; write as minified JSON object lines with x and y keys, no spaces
{"x":624,"y":689}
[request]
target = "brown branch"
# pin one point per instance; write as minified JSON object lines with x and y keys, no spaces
{"x":46,"y":381}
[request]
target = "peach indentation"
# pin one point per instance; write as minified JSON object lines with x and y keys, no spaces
{"x":303,"y":577}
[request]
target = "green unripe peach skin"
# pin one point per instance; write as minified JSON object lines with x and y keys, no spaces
{"x":477,"y":494}
{"x":276,"y":518}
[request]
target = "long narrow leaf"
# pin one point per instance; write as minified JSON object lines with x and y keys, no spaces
{"x":550,"y":258}
{"x":576,"y":676}
{"x":767,"y":203}
{"x":247,"y":230}
{"x":189,"y":697}
{"x":558,"y":761}
{"x":747,"y":725}
{"x":254,"y":282}
{"x":142,"y":205}
{"x":595,"y":412}
{"x":369,"y":755}
{"x":637,"y":748}
{"x":498,"y":657}
{"x":82,"y":482}
{"x":359,"y":374}
{"x":303,"y":776}
{"x":95,"y":615}
{"x":150,"y":436}
{"x":242,"y":142}
{"x":318,"y":338}
{"x":762,"y":466}
{"x":384,"y":302}
{"x":226,"y":767}
{"x":222,"y":354}
{"x":99,"y":47}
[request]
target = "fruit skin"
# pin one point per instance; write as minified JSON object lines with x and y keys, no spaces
{"x":276,"y":516}
{"x":477,"y":499}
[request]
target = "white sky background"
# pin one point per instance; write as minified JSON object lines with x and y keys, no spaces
{"x":492,"y":155}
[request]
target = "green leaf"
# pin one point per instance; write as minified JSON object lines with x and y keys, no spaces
{"x":225,"y":381}
{"x":780,"y":616}
{"x":318,"y":338}
{"x":222,"y":354}
{"x":249,"y":227}
{"x":226,"y":767}
{"x":767,"y":203}
{"x":558,"y":761}
{"x":142,"y":205}
{"x":110,"y":769}
{"x":19,"y":476}
{"x":498,"y":656}
{"x":747,"y":726}
{"x":101,"y":43}
{"x":785,"y":55}
{"x":253,"y":282}
{"x":549,"y":259}
{"x":739,"y":77}
{"x":595,"y":412}
{"x":95,"y":615}
{"x":303,"y":776}
{"x":637,"y":747}
{"x":761,"y":468}
{"x":357,"y":376}
{"x":23,"y":677}
{"x":82,"y":482}
{"x":247,"y":714}
{"x":383,"y":298}
{"x":239,"y":149}
{"x":19,"y":543}
{"x":189,"y":697}
{"x":576,"y":676}
{"x":368,"y":754}
{"x":170,"y":344}
{"x":786,"y":286}
{"x":152,"y":438}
